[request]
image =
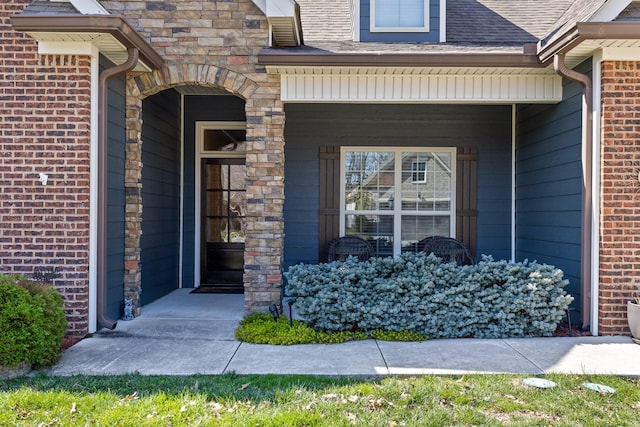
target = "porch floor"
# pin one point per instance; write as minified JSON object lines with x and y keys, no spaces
{"x":185,"y":334}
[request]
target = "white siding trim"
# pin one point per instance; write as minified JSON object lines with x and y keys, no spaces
{"x":93,"y":192}
{"x":374,"y":88}
{"x":514,"y":136}
{"x":595,"y":193}
{"x":619,"y":54}
{"x":443,"y":21}
{"x":46,"y":47}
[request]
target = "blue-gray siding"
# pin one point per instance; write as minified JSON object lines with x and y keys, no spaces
{"x":200,"y":108}
{"x":310,"y":126}
{"x":433,"y":35}
{"x":160,"y":194}
{"x":549,"y":183}
{"x":115,"y":193}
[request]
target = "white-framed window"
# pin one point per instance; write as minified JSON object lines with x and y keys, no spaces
{"x":399,"y":16}
{"x":221,"y":139}
{"x":382,"y":201}
{"x":418,"y":171}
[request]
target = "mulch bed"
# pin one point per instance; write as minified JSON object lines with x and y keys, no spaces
{"x":563,"y":331}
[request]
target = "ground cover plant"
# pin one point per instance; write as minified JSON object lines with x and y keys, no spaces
{"x":418,"y":293}
{"x":272,"y":400}
{"x":261,"y":328}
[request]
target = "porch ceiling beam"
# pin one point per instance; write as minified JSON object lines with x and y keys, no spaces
{"x":40,"y":26}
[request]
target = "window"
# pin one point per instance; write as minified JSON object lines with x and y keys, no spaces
{"x":399,"y":16}
{"x":395,"y":197}
{"x":418,"y":171}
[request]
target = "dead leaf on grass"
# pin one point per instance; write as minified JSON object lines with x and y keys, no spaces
{"x":133,"y":396}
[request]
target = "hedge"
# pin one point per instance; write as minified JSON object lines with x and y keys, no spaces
{"x":418,"y":293}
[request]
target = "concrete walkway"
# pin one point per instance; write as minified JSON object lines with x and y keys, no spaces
{"x":184,"y":334}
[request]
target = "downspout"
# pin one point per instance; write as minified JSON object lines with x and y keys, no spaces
{"x":587,"y":181}
{"x":103,"y":90}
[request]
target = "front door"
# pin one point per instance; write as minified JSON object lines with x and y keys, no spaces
{"x":223,"y":223}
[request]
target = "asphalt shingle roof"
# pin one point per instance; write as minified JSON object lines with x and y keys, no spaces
{"x":47,"y":8}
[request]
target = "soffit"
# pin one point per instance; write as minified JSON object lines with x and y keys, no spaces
{"x":111,"y":34}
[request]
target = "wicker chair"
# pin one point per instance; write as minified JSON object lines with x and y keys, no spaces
{"x":342,"y":247}
{"x":449,"y":249}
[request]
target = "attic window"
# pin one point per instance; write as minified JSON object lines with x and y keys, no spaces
{"x":400,"y":16}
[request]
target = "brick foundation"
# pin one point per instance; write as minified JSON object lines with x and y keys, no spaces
{"x":44,"y":128}
{"x":620,"y":194}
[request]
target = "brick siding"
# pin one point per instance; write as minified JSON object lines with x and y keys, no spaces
{"x":620,"y":194}
{"x":44,"y":128}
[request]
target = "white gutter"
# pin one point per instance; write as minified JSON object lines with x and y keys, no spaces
{"x":595,"y":225}
{"x":93,"y":193}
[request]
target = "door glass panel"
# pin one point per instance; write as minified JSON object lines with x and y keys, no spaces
{"x":224,"y":225}
{"x":224,"y":140}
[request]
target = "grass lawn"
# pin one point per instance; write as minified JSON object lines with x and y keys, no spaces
{"x":286,"y":400}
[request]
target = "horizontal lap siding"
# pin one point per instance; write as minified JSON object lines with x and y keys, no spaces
{"x":311,"y":126}
{"x":549,"y":183}
{"x":160,"y":195}
{"x":115,"y":193}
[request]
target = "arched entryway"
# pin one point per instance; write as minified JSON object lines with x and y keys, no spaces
{"x":189,"y":111}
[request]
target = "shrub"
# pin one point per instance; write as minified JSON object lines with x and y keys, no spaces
{"x":32,"y":322}
{"x":418,"y":293}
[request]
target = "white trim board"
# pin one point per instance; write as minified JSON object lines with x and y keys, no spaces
{"x":475,"y":89}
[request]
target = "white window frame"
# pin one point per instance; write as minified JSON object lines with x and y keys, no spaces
{"x":374,"y":29}
{"x":397,"y":211}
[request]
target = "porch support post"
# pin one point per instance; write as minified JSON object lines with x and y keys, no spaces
{"x":264,"y":241}
{"x":587,"y":182}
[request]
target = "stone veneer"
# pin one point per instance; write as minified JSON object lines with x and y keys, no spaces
{"x":213,"y":44}
{"x":620,"y":194}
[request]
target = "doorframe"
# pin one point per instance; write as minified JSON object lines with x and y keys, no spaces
{"x":201,"y":153}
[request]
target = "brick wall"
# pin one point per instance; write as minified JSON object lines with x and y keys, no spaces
{"x":44,"y":128}
{"x":620,"y":192}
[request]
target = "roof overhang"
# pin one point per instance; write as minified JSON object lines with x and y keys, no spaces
{"x":579,"y":41}
{"x":314,"y":75}
{"x":111,"y":34}
{"x":307,"y":58}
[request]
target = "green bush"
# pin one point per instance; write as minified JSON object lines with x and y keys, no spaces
{"x":418,"y":293}
{"x":32,"y":322}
